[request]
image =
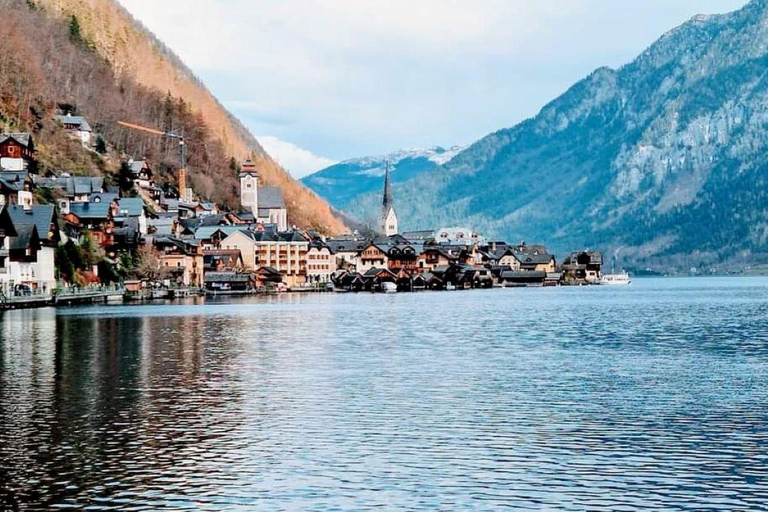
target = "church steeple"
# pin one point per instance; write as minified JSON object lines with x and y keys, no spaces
{"x":389,"y":224}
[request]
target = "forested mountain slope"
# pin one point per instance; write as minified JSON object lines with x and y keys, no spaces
{"x":91,"y":55}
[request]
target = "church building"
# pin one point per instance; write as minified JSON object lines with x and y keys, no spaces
{"x":266,"y":203}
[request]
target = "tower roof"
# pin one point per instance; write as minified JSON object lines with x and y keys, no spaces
{"x":248,"y":167}
{"x":387,"y":203}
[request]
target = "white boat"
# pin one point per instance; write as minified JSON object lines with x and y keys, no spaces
{"x":388,"y":287}
{"x":619,"y":279}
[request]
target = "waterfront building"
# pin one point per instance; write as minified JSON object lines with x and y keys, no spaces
{"x":43,"y":217}
{"x":229,"y":281}
{"x":180,"y":261}
{"x":321,"y":262}
{"x":582,"y":267}
{"x":284,"y":251}
{"x":22,"y":250}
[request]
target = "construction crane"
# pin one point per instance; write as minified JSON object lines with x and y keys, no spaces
{"x":182,"y":174}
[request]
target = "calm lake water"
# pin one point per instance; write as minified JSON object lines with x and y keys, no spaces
{"x":650,"y":396}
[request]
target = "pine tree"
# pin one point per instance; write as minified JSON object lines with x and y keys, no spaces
{"x":75,"y":34}
{"x":101,"y":145}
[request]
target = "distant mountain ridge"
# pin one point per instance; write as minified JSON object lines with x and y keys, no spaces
{"x":340,"y":184}
{"x":663,"y":162}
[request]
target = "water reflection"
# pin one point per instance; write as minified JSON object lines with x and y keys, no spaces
{"x":650,"y":397}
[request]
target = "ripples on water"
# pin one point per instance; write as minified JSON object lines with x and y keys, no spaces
{"x":652,"y":396}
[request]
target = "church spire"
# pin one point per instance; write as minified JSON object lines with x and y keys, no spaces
{"x":387,"y":191}
{"x":389,"y":224}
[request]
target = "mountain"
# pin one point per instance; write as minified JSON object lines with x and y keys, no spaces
{"x":341,"y":184}
{"x":93,"y":57}
{"x":663,"y":162}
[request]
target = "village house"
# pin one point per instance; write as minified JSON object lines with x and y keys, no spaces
{"x":43,"y":217}
{"x":373,"y":256}
{"x":141,"y":173}
{"x":243,"y":241}
{"x":404,"y":257}
{"x":16,"y":188}
{"x":180,"y":261}
{"x":434,"y":256}
{"x":131,"y":208}
{"x":76,"y":189}
{"x":582,"y":267}
{"x":77,"y":127}
{"x":17,"y":152}
{"x":94,"y":218}
{"x":220,"y":260}
{"x":321,"y":262}
{"x":457,"y":236}
{"x":22,"y":250}
{"x":7,"y":230}
{"x":347,"y":250}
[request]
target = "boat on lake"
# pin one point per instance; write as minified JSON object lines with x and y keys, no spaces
{"x":388,"y":287}
{"x":619,"y":279}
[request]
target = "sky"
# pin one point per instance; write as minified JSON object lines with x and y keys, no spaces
{"x":320,"y":81}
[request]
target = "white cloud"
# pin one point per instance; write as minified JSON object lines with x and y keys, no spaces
{"x":347,"y":78}
{"x":299,"y":162}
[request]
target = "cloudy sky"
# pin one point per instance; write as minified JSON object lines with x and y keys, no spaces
{"x":319,"y":81}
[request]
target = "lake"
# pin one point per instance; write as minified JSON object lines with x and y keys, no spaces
{"x":623,"y":398}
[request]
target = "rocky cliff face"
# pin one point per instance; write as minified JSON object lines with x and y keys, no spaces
{"x":662,"y":161}
{"x":342,"y":183}
{"x":132,"y":51}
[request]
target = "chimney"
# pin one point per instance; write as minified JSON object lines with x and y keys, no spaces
{"x":183,"y":184}
{"x":64,"y":206}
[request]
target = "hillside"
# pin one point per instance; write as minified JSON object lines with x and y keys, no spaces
{"x":662,"y":162}
{"x":143,"y":70}
{"x":343,"y":183}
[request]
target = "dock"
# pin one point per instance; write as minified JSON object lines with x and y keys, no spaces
{"x":63,"y":297}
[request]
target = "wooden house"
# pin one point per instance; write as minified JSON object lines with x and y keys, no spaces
{"x":17,"y":152}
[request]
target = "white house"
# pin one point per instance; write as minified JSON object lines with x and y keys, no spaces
{"x":77,"y":127}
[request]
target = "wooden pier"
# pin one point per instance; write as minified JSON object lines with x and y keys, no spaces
{"x":65,"y":297}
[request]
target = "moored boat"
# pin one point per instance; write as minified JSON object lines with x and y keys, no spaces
{"x":388,"y":287}
{"x":619,"y":279}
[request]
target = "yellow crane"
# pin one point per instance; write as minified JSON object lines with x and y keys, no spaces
{"x":182,"y":174}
